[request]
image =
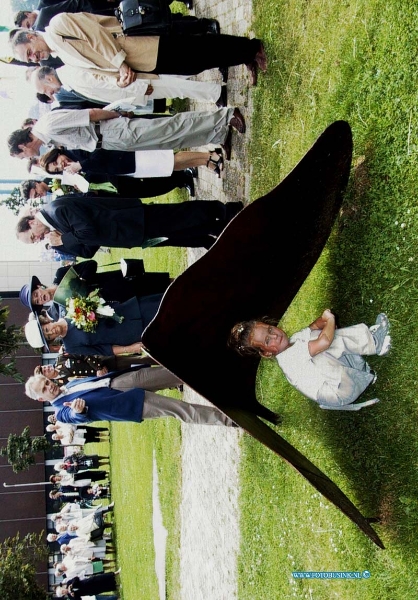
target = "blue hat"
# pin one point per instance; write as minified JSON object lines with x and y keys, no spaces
{"x":25,"y":295}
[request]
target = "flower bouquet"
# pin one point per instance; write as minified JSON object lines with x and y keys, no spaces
{"x":59,"y":189}
{"x":85,"y":312}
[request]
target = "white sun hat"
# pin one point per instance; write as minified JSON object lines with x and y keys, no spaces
{"x":34,"y":333}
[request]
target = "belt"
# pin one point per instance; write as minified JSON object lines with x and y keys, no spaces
{"x":99,"y":135}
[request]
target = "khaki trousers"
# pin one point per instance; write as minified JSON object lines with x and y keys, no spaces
{"x":157,"y":406}
{"x":147,"y":378}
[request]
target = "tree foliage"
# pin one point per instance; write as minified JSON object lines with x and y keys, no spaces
{"x":15,"y":202}
{"x":10,"y":338}
{"x":21,"y":449}
{"x":18,"y":558}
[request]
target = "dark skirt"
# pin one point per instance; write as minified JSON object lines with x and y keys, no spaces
{"x":92,"y":475}
{"x":96,"y":584}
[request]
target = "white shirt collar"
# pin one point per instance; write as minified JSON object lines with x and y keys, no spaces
{"x":42,"y":219}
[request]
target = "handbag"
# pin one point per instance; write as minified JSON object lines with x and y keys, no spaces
{"x":144,"y":17}
{"x":97,"y":566}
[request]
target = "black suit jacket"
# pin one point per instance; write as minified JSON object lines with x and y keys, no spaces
{"x":114,"y":287}
{"x":112,"y":165}
{"x":104,"y":162}
{"x":86,"y":223}
{"x":95,"y":584}
{"x":50,"y":8}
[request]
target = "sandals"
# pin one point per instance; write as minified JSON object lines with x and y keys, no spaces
{"x":219,"y":164}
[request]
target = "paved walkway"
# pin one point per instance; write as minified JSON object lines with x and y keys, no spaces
{"x":209,"y":511}
{"x":210,"y":457}
{"x":234,"y":17}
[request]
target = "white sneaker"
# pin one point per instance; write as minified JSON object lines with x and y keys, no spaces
{"x":380,"y":332}
{"x":386,"y":346}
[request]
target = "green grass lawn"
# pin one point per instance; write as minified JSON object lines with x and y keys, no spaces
{"x":328,"y":60}
{"x":354,"y":61}
{"x":132,"y":449}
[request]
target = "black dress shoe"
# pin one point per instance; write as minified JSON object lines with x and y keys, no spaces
{"x":213,"y":27}
{"x":252,"y":70}
{"x":261,"y":58}
{"x":237,"y":121}
{"x":224,"y":72}
{"x":222,"y":101}
{"x":192,"y":171}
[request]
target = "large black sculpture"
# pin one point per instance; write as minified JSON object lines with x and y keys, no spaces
{"x":283,"y":233}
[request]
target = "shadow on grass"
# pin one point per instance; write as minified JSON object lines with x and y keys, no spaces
{"x":371,"y":270}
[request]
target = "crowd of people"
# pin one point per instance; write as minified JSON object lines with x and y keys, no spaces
{"x":78,"y":61}
{"x":123,"y":155}
{"x":81,"y":536}
{"x":84,"y":63}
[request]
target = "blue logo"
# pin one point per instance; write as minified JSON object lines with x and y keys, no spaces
{"x":331,"y":574}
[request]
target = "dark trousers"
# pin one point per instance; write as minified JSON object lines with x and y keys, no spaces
{"x":149,"y":187}
{"x":186,"y":24}
{"x":95,"y":584}
{"x":93,"y":433}
{"x":114,"y":287}
{"x":119,"y":363}
{"x":186,"y":218}
{"x":92,"y":475}
{"x":188,"y":224}
{"x":189,"y":241}
{"x":192,"y":54}
{"x":103,"y":7}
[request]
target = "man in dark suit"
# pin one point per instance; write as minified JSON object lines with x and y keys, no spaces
{"x":121,"y":397}
{"x":79,"y":225}
{"x":47,"y":9}
{"x":77,"y":588}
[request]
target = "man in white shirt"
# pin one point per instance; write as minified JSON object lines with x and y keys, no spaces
{"x":89,"y":129}
{"x":102,"y":86}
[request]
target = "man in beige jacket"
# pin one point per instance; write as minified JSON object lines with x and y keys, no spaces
{"x":93,"y":41}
